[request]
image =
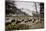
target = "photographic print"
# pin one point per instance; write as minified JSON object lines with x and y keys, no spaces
{"x":24,"y":15}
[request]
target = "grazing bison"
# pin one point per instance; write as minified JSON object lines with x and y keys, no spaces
{"x":26,"y":21}
{"x":23,"y":20}
{"x":18,"y":22}
{"x":34,"y":20}
{"x":13,"y":20}
{"x":30,"y":20}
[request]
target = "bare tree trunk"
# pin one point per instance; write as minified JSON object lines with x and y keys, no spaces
{"x":36,"y":7}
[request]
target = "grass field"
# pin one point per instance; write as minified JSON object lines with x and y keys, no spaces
{"x":28,"y":23}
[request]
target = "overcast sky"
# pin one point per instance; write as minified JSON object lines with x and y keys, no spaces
{"x":27,"y":6}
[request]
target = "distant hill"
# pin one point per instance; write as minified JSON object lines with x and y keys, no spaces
{"x":18,"y":12}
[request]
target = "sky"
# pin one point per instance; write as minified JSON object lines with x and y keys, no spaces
{"x":28,"y":7}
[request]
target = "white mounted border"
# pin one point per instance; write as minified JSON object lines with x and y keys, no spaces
{"x":2,"y":15}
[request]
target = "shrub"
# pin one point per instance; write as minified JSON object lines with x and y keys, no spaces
{"x":17,"y":27}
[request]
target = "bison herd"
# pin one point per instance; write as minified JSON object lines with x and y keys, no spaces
{"x":17,"y":22}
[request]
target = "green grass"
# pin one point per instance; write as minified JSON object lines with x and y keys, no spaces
{"x":17,"y":26}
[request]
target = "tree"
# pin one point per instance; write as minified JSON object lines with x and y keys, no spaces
{"x":10,"y":7}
